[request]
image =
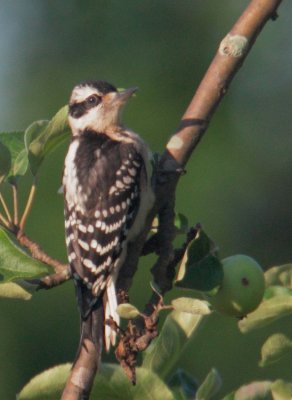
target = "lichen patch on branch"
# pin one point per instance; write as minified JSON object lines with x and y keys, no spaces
{"x":175,"y":143}
{"x":233,"y":46}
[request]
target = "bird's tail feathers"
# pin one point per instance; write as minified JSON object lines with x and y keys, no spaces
{"x":91,"y":320}
{"x":94,"y":313}
{"x":110,"y":310}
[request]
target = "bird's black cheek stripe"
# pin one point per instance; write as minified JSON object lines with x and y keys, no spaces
{"x":77,"y":110}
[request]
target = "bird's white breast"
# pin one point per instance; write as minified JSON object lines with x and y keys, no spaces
{"x":70,"y":181}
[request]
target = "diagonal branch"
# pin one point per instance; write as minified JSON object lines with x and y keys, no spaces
{"x":38,"y":253}
{"x":230,"y":56}
{"x":228,"y":59}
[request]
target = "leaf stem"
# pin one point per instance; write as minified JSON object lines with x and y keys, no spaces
{"x":4,"y":221}
{"x":4,"y":205}
{"x":15,"y":204}
{"x":28,"y":206}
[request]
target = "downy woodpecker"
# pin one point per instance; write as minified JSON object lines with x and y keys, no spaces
{"x":107,"y":194}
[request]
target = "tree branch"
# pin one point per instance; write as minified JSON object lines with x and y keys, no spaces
{"x":39,"y":254}
{"x":229,"y":58}
{"x":82,"y":375}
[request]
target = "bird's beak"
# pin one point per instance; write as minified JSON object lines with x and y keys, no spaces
{"x":123,"y":96}
{"x":116,"y":101}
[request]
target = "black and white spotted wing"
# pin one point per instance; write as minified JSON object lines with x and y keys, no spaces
{"x":103,"y":210}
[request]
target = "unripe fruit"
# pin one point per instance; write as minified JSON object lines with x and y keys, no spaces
{"x":242,"y":288}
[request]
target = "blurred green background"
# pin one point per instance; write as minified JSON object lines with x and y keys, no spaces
{"x":238,"y":183}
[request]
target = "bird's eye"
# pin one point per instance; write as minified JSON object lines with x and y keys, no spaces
{"x":92,"y":101}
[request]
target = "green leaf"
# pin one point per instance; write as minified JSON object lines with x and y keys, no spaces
{"x":200,"y":269}
{"x":210,"y":386}
{"x":110,"y":383}
{"x":273,"y":291}
{"x":268,"y":311}
{"x":204,"y":275}
{"x":20,"y":164}
{"x":230,"y":396}
{"x":183,"y":385}
{"x":181,"y":223}
{"x":15,"y":263}
{"x":5,"y":161}
{"x":281,"y":390}
{"x":274,"y":348}
{"x":16,"y":290}
{"x":280,"y":275}
{"x":33,"y":131}
{"x":254,"y":391}
{"x":192,"y":306}
{"x":162,"y":355}
{"x":127,"y":311}
{"x":199,"y":247}
{"x":42,"y":137}
{"x":46,"y":386}
{"x":14,"y":142}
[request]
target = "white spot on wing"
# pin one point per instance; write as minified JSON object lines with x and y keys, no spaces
{"x":120,"y":185}
{"x":72,"y":256}
{"x":93,"y":244}
{"x":89,"y":264}
{"x":127,"y":180}
{"x":90,"y":229}
{"x":82,"y":228}
{"x":104,"y":213}
{"x":132,"y":171}
{"x":83,"y":244}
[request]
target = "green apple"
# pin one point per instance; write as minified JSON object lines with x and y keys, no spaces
{"x":242,"y":288}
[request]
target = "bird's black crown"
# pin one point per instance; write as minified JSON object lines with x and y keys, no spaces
{"x":102,"y":86}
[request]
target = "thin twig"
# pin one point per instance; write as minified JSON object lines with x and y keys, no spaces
{"x":15,"y":204}
{"x":38,"y":253}
{"x":51,"y":281}
{"x":27,"y":207}
{"x":4,"y":221}
{"x":5,"y":208}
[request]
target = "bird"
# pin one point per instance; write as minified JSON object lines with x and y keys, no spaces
{"x":107,"y":196}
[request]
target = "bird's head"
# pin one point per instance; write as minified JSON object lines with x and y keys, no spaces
{"x":96,"y":105}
